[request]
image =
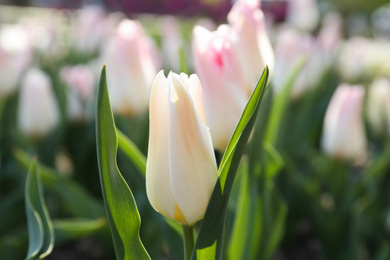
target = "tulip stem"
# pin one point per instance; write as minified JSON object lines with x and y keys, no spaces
{"x":188,"y":238}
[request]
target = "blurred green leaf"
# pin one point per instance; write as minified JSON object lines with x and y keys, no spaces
{"x":132,"y":152}
{"x":70,"y":229}
{"x":209,"y":244}
{"x":279,"y":104}
{"x":40,"y":227}
{"x":273,"y":160}
{"x":183,"y":63}
{"x":77,"y":201}
{"x":121,"y":208}
{"x":269,"y":219}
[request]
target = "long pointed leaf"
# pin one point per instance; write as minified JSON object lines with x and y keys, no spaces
{"x":40,"y":227}
{"x":209,"y":244}
{"x":121,"y":209}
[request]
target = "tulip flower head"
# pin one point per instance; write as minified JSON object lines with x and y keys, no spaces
{"x":252,"y":43}
{"x":224,"y":87}
{"x":181,"y":169}
{"x":343,"y":133}
{"x":38,"y":112}
{"x":130,"y":57}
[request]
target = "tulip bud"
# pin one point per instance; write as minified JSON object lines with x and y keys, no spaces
{"x":181,"y":169}
{"x":378,"y":106}
{"x":131,"y":66}
{"x":38,"y":112}
{"x":343,"y":133}
{"x":252,"y":42}
{"x":224,"y":88}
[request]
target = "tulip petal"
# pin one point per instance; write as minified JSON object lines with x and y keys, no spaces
{"x":158,"y":185}
{"x":191,"y":161}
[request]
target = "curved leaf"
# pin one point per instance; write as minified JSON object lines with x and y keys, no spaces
{"x":132,"y":152}
{"x":40,"y":227}
{"x":280,"y":102}
{"x":209,"y":244}
{"x":75,"y":199}
{"x":121,"y":209}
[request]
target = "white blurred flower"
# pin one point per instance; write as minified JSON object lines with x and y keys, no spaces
{"x":15,"y":56}
{"x":38,"y":112}
{"x":378,"y":106}
{"x":362,"y":58}
{"x":303,"y":14}
{"x":290,"y":47}
{"x":90,"y":27}
{"x":343,"y":134}
{"x":171,"y":41}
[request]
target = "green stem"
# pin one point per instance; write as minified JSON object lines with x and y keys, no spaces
{"x":188,"y":239}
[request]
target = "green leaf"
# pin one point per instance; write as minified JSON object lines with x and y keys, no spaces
{"x":273,"y":160}
{"x":209,"y":244}
{"x":40,"y":227}
{"x":132,"y":152}
{"x":259,"y":221}
{"x":70,"y":229}
{"x":280,"y":103}
{"x":121,"y":209}
{"x":74,"y":198}
{"x":269,"y":219}
{"x":183,"y":64}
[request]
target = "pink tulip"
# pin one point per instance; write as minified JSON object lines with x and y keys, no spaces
{"x":224,"y":87}
{"x":181,"y":169}
{"x":343,"y":133}
{"x":131,"y":66}
{"x":252,"y":43}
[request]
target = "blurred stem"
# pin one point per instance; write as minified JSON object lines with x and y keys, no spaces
{"x":2,"y":106}
{"x":188,"y":239}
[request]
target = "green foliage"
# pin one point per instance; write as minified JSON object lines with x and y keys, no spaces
{"x":121,"y":209}
{"x":210,"y":242}
{"x":40,"y":227}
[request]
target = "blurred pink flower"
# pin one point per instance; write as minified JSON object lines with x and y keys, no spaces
{"x":80,"y":80}
{"x":290,"y":47}
{"x":224,"y":87}
{"x":252,"y":43}
{"x":131,"y":59}
{"x":343,"y":134}
{"x":91,"y":25}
